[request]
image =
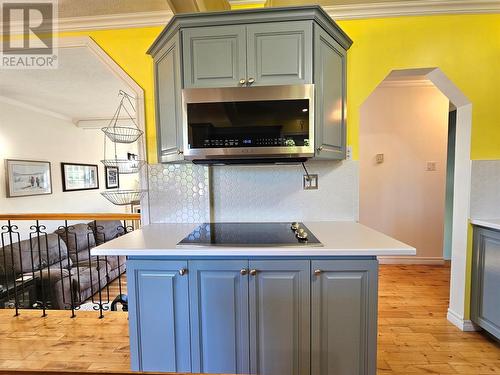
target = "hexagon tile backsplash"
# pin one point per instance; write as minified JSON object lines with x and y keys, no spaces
{"x":178,"y":193}
{"x":275,"y":192}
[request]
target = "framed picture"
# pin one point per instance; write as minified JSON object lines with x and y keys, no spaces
{"x":112,"y":177}
{"x":79,"y":176}
{"x":27,"y":177}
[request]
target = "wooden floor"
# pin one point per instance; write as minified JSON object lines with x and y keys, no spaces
{"x":414,"y":335}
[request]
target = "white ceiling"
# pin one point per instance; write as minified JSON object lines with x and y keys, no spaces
{"x":82,"y":87}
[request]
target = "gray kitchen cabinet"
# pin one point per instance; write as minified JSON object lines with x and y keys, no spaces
{"x":485,"y":309}
{"x":168,"y":102}
{"x":219,"y":316}
{"x":259,"y":54}
{"x":214,"y":56}
{"x":159,"y":316}
{"x":330,"y":94}
{"x":344,"y":317}
{"x":279,"y":317}
{"x":256,"y":315}
{"x":260,"y":47}
{"x":279,"y":53}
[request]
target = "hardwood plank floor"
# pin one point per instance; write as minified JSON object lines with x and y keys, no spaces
{"x":414,"y":335}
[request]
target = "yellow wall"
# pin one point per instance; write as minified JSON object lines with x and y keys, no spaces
{"x":465,"y":47}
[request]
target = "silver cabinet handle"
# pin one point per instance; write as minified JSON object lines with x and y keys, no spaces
{"x":253,"y":272}
{"x":182,"y":271}
{"x":243,"y":271}
{"x":251,"y":80}
{"x":320,"y":148}
{"x":317,"y":272}
{"x":179,"y":152}
{"x":243,"y":81}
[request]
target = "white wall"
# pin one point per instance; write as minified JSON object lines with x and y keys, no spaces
{"x":25,"y":134}
{"x":399,"y":197}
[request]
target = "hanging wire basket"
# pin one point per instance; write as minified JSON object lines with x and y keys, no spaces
{"x":122,"y":134}
{"x":123,"y":197}
{"x":124,"y":166}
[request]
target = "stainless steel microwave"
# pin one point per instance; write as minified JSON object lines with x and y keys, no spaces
{"x":247,"y":124}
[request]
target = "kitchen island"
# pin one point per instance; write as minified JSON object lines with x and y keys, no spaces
{"x":254,"y":309}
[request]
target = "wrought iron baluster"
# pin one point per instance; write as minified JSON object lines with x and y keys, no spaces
{"x":5,"y":268}
{"x":61,"y":272}
{"x":66,"y":232}
{"x":9,"y":231}
{"x":38,"y":229}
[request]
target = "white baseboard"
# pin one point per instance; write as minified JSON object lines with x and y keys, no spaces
{"x":462,"y":324}
{"x":410,"y":260}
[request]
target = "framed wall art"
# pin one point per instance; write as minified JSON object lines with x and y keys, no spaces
{"x":27,"y":178}
{"x":112,"y":177}
{"x":77,"y":177}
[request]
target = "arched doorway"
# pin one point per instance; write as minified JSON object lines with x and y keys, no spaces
{"x":459,"y":182}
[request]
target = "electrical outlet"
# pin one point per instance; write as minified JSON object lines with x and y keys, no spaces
{"x":310,"y":182}
{"x":348,"y":152}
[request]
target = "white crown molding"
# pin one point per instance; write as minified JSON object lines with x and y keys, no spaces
{"x":337,"y":12}
{"x":115,"y":21}
{"x":411,"y":8}
{"x":247,"y":2}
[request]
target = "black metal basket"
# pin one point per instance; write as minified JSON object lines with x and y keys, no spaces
{"x":123,"y":197}
{"x":122,"y":134}
{"x":124,"y":166}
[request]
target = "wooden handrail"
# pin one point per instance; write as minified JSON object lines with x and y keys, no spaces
{"x":49,"y":372}
{"x":71,"y":216}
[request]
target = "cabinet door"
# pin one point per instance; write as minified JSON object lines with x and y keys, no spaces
{"x":219,"y":316}
{"x":279,"y":53}
{"x":330,"y":96}
{"x":214,"y":56}
{"x":486,"y":280}
{"x":279,"y":317}
{"x":344,"y":317}
{"x":168,"y":106}
{"x":158,"y":316}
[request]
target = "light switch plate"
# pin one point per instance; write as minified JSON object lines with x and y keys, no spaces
{"x":431,"y":166}
{"x":379,"y":158}
{"x":311,"y":182}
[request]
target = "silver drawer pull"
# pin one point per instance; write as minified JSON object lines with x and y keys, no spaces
{"x":182,"y":271}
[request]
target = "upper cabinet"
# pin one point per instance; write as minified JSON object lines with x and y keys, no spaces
{"x":330,"y":95}
{"x":261,"y":47}
{"x":214,"y":56}
{"x":260,"y":54}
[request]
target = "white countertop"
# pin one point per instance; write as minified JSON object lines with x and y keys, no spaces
{"x":339,"y":238}
{"x":488,"y":223}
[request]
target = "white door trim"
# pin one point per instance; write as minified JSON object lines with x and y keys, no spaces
{"x":134,"y":90}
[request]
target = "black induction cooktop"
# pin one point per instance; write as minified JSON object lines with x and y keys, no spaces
{"x":251,"y":234}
